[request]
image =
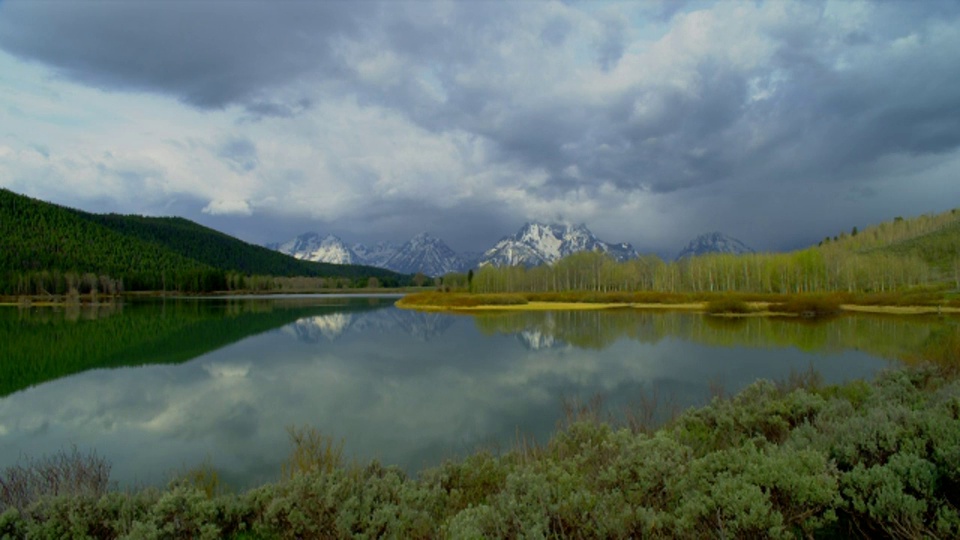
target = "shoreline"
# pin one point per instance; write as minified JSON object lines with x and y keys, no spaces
{"x":758,"y":309}
{"x":106,"y":299}
{"x":700,"y":307}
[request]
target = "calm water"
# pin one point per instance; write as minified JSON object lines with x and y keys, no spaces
{"x":161,"y":386}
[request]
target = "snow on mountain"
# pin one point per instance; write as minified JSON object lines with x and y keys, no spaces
{"x":312,"y":247}
{"x":423,"y":253}
{"x":538,"y":243}
{"x":715,"y":242}
{"x":534,"y":244}
{"x":376,"y":255}
{"x":427,"y":254}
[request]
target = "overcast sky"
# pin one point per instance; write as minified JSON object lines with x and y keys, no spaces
{"x":776,"y":122}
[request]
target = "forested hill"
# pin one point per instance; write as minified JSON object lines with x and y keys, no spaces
{"x":932,"y":238}
{"x":47,"y":248}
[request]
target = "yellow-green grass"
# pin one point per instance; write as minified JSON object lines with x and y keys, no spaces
{"x":726,"y":304}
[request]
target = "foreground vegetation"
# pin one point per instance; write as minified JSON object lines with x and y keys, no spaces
{"x":779,"y":460}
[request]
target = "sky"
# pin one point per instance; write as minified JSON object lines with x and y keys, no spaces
{"x":778,"y":123}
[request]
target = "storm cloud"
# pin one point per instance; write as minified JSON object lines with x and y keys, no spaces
{"x":777,"y":122}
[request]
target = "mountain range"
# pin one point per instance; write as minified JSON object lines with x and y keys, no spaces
{"x":534,"y":244}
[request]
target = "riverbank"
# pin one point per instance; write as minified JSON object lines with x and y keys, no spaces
{"x":719,"y":304}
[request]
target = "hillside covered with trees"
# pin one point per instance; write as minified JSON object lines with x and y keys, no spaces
{"x":50,"y":249}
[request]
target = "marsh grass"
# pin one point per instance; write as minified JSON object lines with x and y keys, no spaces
{"x":462,"y":300}
{"x":717,"y":302}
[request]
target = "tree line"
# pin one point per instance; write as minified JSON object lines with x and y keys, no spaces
{"x":807,"y":271}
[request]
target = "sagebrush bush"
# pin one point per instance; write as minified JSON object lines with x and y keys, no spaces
{"x":63,"y":473}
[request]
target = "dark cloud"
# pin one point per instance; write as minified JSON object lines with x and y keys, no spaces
{"x":209,"y":54}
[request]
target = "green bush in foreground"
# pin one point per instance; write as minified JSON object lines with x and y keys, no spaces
{"x":877,"y":459}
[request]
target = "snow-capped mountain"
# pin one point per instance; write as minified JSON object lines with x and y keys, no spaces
{"x":427,"y":254}
{"x":538,"y":243}
{"x":312,"y":247}
{"x":423,"y":253}
{"x":376,"y":255}
{"x":715,"y":242}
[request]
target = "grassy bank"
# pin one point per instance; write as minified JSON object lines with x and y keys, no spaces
{"x":779,"y":460}
{"x":740,"y":304}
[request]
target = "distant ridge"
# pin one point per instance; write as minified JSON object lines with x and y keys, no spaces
{"x":713,"y":242}
{"x":424,"y":253}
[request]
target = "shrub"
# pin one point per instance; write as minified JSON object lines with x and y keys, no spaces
{"x":728,"y":306}
{"x":313,"y":452}
{"x":64,"y":473}
{"x":809,"y":306}
{"x":203,"y":477}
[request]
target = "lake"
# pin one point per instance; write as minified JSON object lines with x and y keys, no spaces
{"x":160,"y":386}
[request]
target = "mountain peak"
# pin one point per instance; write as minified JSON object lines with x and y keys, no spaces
{"x":542,"y":243}
{"x":713,"y":242}
{"x":426,"y":254}
{"x":311,"y":246}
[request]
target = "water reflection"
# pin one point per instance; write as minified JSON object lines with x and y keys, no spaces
{"x":329,"y":327}
{"x":404,"y":387}
{"x":897,"y":338}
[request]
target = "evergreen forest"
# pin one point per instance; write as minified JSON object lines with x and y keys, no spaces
{"x":47,"y":249}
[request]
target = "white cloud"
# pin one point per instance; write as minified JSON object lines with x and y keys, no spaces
{"x":228,"y":207}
